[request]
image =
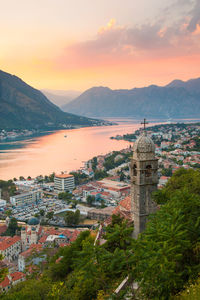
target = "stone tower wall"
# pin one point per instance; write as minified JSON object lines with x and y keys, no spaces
{"x":144,"y":179}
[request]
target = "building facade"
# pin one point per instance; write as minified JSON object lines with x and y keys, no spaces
{"x":144,"y":180}
{"x":64,"y":182}
{"x":26,"y":198}
{"x":10,"y":280}
{"x":27,"y":257}
{"x":31,"y":233}
{"x":10,"y":247}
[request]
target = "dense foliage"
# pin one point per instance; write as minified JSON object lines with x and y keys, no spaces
{"x":111,"y":162}
{"x":8,"y":188}
{"x":72,"y":218}
{"x":163,"y":260}
{"x":79,"y":178}
{"x":23,"y":107}
{"x":3,"y":271}
{"x":12,"y":228}
{"x":67,"y":196}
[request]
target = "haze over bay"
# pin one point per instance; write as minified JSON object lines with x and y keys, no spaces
{"x":55,"y":152}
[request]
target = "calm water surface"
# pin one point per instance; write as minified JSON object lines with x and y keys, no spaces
{"x":56,"y":153}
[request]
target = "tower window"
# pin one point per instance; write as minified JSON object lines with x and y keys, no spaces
{"x":148,"y":171}
{"x":134,"y":170}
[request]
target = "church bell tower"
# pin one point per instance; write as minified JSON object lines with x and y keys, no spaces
{"x":144,"y":180}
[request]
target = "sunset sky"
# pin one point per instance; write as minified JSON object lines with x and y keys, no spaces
{"x":77,"y":44}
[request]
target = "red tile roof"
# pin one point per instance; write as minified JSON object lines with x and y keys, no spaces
{"x":126,"y":203}
{"x":53,"y":231}
{"x":7,"y":241}
{"x":17,"y":276}
{"x":43,"y":239}
{"x":123,"y":209}
{"x":13,"y":277}
{"x":164,"y":178}
{"x":5,"y":282}
{"x":63,"y":175}
{"x":63,"y":245}
{"x":74,"y":235}
{"x":33,"y":247}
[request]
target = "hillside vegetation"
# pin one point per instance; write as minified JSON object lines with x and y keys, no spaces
{"x":23,"y":107}
{"x":163,"y":260}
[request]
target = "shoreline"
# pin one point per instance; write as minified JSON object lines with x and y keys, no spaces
{"x":17,"y":134}
{"x":53,"y":153}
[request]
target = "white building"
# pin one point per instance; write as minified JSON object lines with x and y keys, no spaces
{"x":2,"y":203}
{"x":31,"y":233}
{"x":26,"y":198}
{"x":10,"y":247}
{"x":64,"y":182}
{"x":11,"y":280}
{"x":27,"y":257}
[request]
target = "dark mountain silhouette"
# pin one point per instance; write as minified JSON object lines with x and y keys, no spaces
{"x":23,"y":107}
{"x":178,"y":99}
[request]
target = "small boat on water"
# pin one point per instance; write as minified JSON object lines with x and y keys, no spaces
{"x":65,"y":136}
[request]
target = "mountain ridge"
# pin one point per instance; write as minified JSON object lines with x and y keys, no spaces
{"x":176,"y":99}
{"x":24,"y":107}
{"x":59,"y":97}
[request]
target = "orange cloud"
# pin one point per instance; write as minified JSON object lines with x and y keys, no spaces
{"x":117,"y":56}
{"x":116,"y":44}
{"x":110,"y":25}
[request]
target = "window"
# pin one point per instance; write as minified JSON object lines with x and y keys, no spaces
{"x":134,"y":170}
{"x":148,"y":171}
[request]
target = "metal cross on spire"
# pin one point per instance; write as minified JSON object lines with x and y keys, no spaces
{"x":144,"y":123}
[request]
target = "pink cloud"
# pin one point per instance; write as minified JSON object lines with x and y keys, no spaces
{"x":114,"y":44}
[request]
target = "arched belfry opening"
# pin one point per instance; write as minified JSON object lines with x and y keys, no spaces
{"x":148,"y":171}
{"x":144,"y":169}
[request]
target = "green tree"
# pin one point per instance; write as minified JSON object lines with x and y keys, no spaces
{"x":77,"y":216}
{"x":51,"y":177}
{"x":167,"y":172}
{"x":74,"y":203}
{"x":94,"y":163}
{"x":122,"y":176}
{"x":50,"y":214}
{"x":42,"y":212}
{"x":90,"y":200}
{"x":103,"y":203}
{"x":32,"y":289}
{"x":8,"y":212}
{"x":72,"y":218}
{"x":8,"y":188}
{"x":118,"y":234}
{"x":80,"y":178}
{"x":67,"y":196}
{"x":100,"y":174}
{"x":3,"y":271}
{"x":12,"y":227}
{"x":167,"y":247}
{"x":46,"y":178}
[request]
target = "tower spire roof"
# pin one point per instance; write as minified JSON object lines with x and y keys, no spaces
{"x":144,"y":147}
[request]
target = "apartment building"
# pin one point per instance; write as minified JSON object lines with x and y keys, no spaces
{"x":26,"y":198}
{"x":10,"y":247}
{"x":64,"y":182}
